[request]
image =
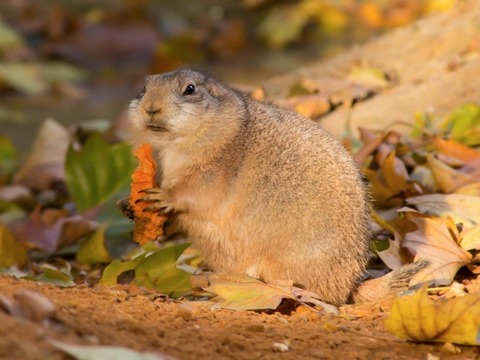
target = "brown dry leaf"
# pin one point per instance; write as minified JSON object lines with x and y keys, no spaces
{"x":383,"y":195}
{"x":435,"y":240}
{"x":52,"y":229}
{"x":148,"y":225}
{"x":45,"y":162}
{"x":395,"y":173}
{"x":457,"y":150}
{"x":371,"y":141}
{"x":310,"y":106}
{"x":447,"y":178}
{"x":395,"y":256}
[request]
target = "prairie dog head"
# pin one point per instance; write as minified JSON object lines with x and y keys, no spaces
{"x":184,"y":106}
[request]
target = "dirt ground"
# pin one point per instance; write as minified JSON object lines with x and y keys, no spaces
{"x":144,"y":321}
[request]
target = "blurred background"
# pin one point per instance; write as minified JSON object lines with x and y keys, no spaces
{"x":83,"y":60}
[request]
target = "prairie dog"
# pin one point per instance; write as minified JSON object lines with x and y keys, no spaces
{"x":260,"y":190}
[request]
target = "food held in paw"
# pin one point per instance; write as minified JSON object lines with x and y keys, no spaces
{"x":148,"y":225}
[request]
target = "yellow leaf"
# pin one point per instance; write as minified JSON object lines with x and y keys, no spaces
{"x":447,"y":178}
{"x":471,"y":189}
{"x":93,"y":249}
{"x":417,"y":317}
{"x":11,"y":252}
{"x":368,"y":76}
{"x":471,"y":239}
{"x":395,"y":173}
{"x":439,"y":5}
{"x":241,"y":292}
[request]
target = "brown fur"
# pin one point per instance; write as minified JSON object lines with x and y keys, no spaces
{"x":259,"y":189}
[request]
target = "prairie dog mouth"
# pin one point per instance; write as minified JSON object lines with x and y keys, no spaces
{"x":156,"y":127}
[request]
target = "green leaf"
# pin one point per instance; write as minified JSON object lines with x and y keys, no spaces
{"x":156,"y":271}
{"x":52,"y":276}
{"x":463,"y":124}
{"x":97,"y":171}
{"x":104,"y":352}
{"x":93,"y":250}
{"x":117,"y":267}
{"x":159,"y":271}
{"x":11,"y":252}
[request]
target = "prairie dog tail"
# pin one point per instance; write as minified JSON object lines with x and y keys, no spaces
{"x":388,"y":285}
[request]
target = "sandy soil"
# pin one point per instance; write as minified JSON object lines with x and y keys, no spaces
{"x":145,"y":321}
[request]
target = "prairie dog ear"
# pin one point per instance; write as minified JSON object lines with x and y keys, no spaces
{"x":214,"y":88}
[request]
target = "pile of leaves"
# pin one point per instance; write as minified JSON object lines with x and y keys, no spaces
{"x":59,"y":222}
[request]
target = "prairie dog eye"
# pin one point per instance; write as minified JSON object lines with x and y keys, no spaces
{"x":189,"y":90}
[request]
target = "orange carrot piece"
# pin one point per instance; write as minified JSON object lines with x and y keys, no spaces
{"x":147,"y":225}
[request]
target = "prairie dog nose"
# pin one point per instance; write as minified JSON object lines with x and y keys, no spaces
{"x":153,"y":110}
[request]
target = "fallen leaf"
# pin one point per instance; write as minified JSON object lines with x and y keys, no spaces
{"x":368,"y":76}
{"x":52,"y":276}
{"x":447,"y":178}
{"x":395,"y":173}
{"x":471,"y":238}
{"x":52,"y":229}
{"x":148,"y":225}
{"x":417,"y":317}
{"x":24,"y":77}
{"x":11,"y":252}
{"x":8,"y":159}
{"x":313,"y":106}
{"x":383,"y":195}
{"x":159,"y":271}
{"x":471,"y":189}
{"x":435,"y":240}
{"x":93,"y":250}
{"x":456,"y":150}
{"x":462,"y":209}
{"x":463,"y":124}
{"x":242,"y":292}
{"x":45,"y":161}
{"x":116,"y":268}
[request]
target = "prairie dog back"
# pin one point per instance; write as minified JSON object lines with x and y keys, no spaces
{"x":260,"y":190}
